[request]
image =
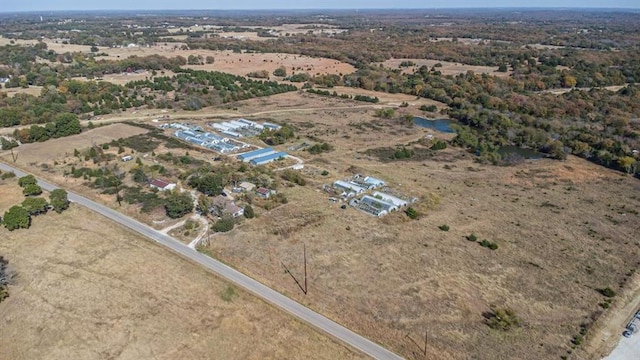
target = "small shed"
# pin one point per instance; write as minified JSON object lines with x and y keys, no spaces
{"x":162,"y":185}
{"x":246,"y":186}
{"x":264,"y":193}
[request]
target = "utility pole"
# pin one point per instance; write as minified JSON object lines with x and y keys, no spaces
{"x":286,"y":270}
{"x":423,"y":351}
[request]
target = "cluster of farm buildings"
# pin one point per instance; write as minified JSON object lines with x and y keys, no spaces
{"x":224,"y":139}
{"x":364,"y":195}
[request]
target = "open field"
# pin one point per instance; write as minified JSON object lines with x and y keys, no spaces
{"x":242,"y":64}
{"x":447,"y":68}
{"x":92,"y":290}
{"x":57,"y":148}
{"x":225,"y":61}
{"x":564,"y":229}
{"x":31,"y":90}
{"x":123,"y":78}
{"x":613,"y":88}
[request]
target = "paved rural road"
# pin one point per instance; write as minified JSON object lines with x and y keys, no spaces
{"x":301,"y":312}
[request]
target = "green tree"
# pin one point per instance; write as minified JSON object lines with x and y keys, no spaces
{"x":35,"y":205}
{"x":59,"y":200}
{"x":32,"y":189}
{"x":204,"y":203}
{"x":67,"y":124}
{"x":16,"y":217}
{"x":224,"y":224}
{"x":7,"y":144}
{"x":208,"y":184}
{"x":178,"y":204}
{"x":248,"y":212}
{"x":27,"y":180}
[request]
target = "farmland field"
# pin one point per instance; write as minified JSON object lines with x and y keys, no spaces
{"x":63,"y":147}
{"x":494,"y":255}
{"x":92,"y":290}
{"x":445,"y":67}
{"x":379,"y":276}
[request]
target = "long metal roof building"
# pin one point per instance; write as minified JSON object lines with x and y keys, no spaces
{"x":255,"y":154}
{"x":268,"y":158}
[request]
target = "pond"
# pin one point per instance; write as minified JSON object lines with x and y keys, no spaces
{"x":441,"y":125}
{"x":527,"y":154}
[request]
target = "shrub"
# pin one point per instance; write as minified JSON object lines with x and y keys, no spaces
{"x":16,"y":217}
{"x":224,"y":224}
{"x":439,"y":145}
{"x":27,"y":180}
{"x":429,"y":108}
{"x":248,"y":212}
{"x":8,"y":175}
{"x":32,"y":189}
{"x":229,"y":293}
{"x":403,"y":153}
{"x":501,"y":319}
{"x":386,"y":113}
{"x":294,"y":177}
{"x":488,"y":244}
{"x":280,"y":71}
{"x":472,"y":237}
{"x":411,"y":213}
{"x":324,"y":173}
{"x":444,"y":227}
{"x":607,"y":292}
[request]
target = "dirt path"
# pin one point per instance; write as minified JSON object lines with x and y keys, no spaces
{"x":610,"y":327}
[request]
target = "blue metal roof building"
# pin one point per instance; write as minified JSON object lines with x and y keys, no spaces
{"x":268,"y":158}
{"x":255,"y":154}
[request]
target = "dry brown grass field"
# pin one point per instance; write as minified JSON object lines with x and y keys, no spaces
{"x":31,"y":90}
{"x":564,"y":230}
{"x":90,"y":289}
{"x":242,"y":64}
{"x":54,"y":149}
{"x":225,"y":61}
{"x":447,"y":68}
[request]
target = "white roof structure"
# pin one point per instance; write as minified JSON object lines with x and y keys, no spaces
{"x":349,"y":186}
{"x":390,"y":199}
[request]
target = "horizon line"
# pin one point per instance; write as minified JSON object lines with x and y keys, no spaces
{"x":557,"y":8}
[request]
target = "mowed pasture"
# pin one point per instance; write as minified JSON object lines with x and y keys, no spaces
{"x":564,"y":228}
{"x":91,"y":289}
{"x":225,"y":61}
{"x":446,"y":68}
{"x":53,"y":149}
{"x":242,"y":64}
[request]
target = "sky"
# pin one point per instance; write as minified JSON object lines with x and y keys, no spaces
{"x":52,"y":5}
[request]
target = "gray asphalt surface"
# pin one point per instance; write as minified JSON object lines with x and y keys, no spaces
{"x":294,"y":308}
